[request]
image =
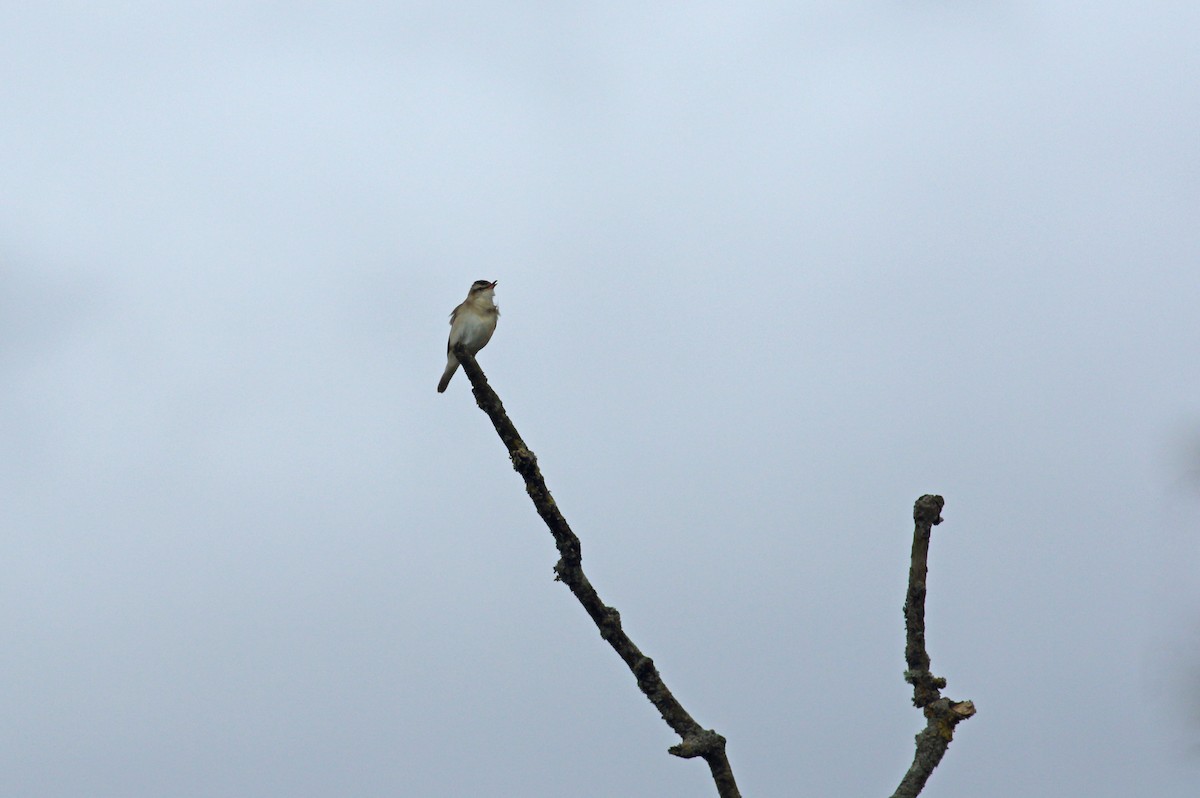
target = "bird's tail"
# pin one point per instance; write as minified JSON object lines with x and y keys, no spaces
{"x":451,"y":367}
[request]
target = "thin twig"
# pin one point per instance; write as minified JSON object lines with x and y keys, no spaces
{"x":941,"y":714}
{"x":696,"y":741}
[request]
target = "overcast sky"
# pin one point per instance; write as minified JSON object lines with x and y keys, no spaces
{"x":768,"y":273}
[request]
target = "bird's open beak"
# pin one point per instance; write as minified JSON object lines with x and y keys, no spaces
{"x":494,"y":283}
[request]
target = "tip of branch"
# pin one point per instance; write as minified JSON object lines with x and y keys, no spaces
{"x":928,"y":509}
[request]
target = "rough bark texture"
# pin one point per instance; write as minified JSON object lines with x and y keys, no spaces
{"x":695,"y":740}
{"x":941,"y":714}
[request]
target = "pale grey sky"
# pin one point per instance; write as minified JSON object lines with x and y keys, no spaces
{"x":768,"y":272}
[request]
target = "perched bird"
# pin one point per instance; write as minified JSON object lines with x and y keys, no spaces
{"x":471,"y":324}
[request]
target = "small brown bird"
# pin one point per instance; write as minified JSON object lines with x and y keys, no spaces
{"x":471,"y":324}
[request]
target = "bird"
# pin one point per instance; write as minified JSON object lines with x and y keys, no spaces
{"x":471,"y":324}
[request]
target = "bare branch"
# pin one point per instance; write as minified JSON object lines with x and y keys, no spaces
{"x":696,"y":741}
{"x":941,"y":714}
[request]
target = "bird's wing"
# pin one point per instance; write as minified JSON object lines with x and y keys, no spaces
{"x":456,"y":323}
